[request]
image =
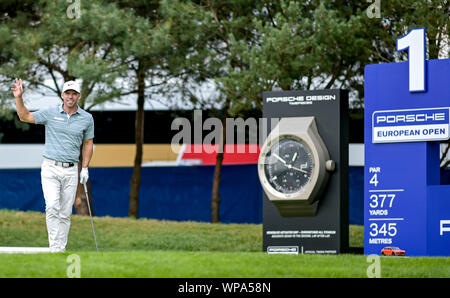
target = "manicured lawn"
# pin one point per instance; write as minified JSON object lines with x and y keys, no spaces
{"x":154,"y":248}
{"x":214,"y":264}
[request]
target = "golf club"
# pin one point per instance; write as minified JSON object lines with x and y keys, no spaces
{"x":90,"y":214}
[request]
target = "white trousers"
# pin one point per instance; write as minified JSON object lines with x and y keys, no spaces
{"x":59,"y":186}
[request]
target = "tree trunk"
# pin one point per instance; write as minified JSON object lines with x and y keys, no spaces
{"x":215,"y":199}
{"x":80,"y":204}
{"x":136,"y":178}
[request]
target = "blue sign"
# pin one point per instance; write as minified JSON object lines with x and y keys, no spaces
{"x":405,"y":204}
{"x":410,"y":125}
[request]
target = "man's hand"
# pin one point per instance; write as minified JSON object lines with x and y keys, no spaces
{"x":17,"y":88}
{"x":84,"y":175}
{"x":22,"y":111}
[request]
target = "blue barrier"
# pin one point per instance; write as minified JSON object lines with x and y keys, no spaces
{"x":180,"y":193}
{"x":171,"y":193}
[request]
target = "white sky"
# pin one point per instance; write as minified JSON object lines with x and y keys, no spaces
{"x":36,"y":101}
{"x":43,"y":98}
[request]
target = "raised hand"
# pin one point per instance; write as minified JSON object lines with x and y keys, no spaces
{"x":17,"y":88}
{"x":22,"y":111}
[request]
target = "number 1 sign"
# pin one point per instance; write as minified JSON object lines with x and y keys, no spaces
{"x":415,"y":43}
{"x":406,"y":114}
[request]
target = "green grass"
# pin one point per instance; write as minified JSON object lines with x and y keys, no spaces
{"x":216,"y":264}
{"x":153,"y":248}
{"x":120,"y":234}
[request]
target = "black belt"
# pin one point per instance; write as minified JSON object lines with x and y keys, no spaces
{"x":61,"y":164}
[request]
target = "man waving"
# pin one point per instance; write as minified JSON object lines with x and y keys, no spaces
{"x":67,"y":127}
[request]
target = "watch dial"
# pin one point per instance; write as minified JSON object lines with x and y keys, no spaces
{"x":289,"y":165}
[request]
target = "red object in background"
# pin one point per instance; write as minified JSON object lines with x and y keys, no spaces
{"x":234,"y":154}
{"x":392,"y":251}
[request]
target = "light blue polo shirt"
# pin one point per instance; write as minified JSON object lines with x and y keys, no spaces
{"x":64,"y":135}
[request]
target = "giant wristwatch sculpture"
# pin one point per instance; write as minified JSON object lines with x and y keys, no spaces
{"x":294,"y":166}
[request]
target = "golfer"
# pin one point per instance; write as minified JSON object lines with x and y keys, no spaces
{"x":66,"y":127}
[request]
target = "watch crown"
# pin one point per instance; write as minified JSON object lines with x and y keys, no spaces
{"x":330,"y":165}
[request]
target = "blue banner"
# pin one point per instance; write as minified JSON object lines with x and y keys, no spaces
{"x":170,"y":193}
{"x":411,"y":125}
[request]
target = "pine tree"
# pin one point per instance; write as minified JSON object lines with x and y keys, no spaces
{"x":60,"y":43}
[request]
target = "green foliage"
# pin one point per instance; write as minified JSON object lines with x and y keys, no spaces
{"x":50,"y":44}
{"x":241,"y":48}
{"x":250,"y":47}
{"x":7,"y":113}
{"x":399,"y":17}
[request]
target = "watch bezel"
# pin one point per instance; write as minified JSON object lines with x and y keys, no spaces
{"x":304,"y":129}
{"x":262,"y":163}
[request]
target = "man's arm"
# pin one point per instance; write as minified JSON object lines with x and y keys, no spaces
{"x":22,"y":111}
{"x":88,"y":149}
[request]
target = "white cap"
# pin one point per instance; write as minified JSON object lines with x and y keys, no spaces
{"x":71,"y":85}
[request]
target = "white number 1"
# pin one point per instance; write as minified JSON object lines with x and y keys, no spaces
{"x":414,"y":42}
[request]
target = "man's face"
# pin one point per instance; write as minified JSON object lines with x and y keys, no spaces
{"x":71,"y":98}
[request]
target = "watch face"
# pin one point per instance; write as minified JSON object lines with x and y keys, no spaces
{"x":289,"y":165}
